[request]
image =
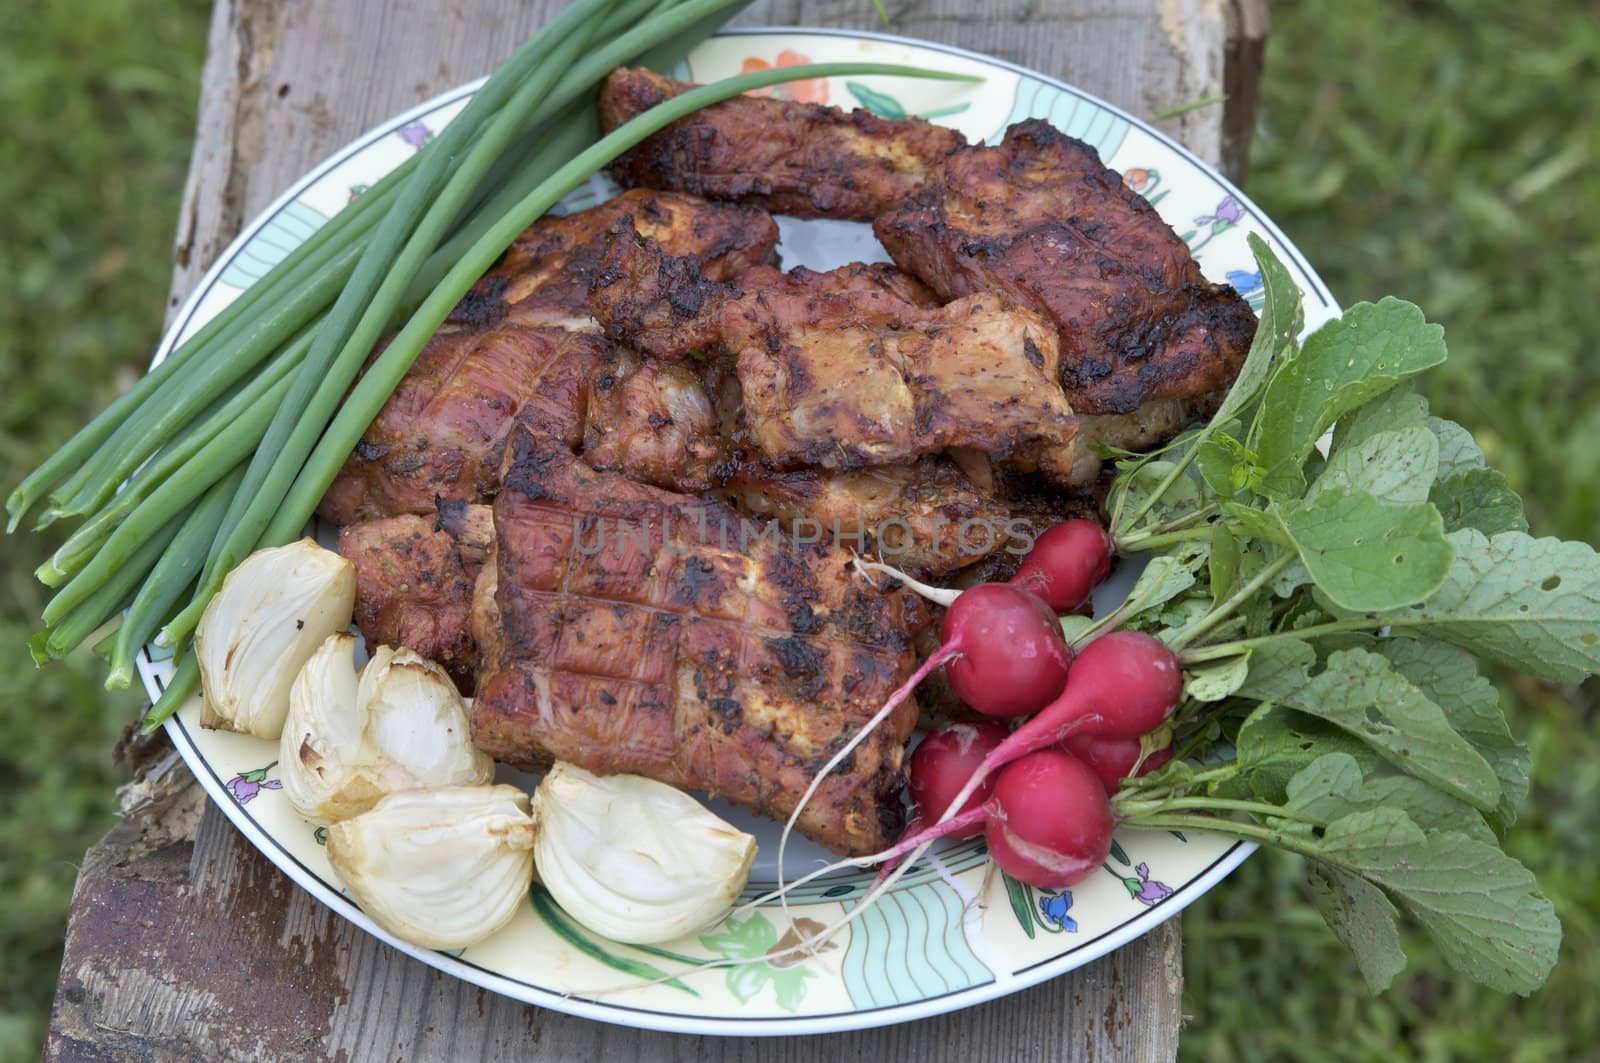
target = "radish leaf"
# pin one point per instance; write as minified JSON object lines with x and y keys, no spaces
{"x":1345,"y":363}
{"x":1393,"y":466}
{"x":1531,"y":604}
{"x":1450,"y":678}
{"x":1367,"y":554}
{"x":1361,"y":693}
{"x":1481,"y":499}
{"x":1482,"y":907}
{"x":1361,"y":916}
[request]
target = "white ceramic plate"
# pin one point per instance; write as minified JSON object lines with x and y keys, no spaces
{"x":948,"y":936}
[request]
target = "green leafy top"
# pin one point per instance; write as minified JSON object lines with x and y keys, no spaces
{"x":1327,"y":560}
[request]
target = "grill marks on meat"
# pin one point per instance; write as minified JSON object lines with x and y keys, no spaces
{"x":648,"y":632}
{"x":794,"y":158}
{"x":842,"y":371}
{"x":522,"y":349}
{"x":1042,"y":220}
{"x":414,"y":582}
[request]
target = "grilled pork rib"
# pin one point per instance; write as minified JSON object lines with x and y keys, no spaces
{"x":414,"y":581}
{"x":1042,"y":220}
{"x":521,"y":348}
{"x":926,"y":515}
{"x":652,"y":421}
{"x":793,"y":158}
{"x":847,"y":373}
{"x":636,"y":630}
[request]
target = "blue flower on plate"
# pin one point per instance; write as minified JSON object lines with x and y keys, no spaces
{"x":1053,"y":906}
{"x":1245,"y":282}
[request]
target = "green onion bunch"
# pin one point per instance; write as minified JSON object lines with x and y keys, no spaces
{"x":228,"y":445}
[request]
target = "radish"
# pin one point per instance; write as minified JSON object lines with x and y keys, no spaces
{"x":1114,"y":759}
{"x":942,"y":764}
{"x":1124,"y":685}
{"x":1067,"y":562}
{"x":1049,"y":821}
{"x":1007,"y":656}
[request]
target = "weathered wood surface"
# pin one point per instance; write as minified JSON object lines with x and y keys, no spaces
{"x":184,"y":942}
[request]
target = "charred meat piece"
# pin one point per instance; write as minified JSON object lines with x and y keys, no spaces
{"x":794,"y":158}
{"x":544,"y":276}
{"x":441,"y":433}
{"x":519,"y":349}
{"x":1040,"y":219}
{"x":652,"y":421}
{"x":829,"y":381}
{"x":662,"y":304}
{"x":414,"y":581}
{"x":839,"y":374}
{"x":926,"y":515}
{"x":649,"y":632}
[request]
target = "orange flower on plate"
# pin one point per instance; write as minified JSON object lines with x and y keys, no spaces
{"x":812,"y":90}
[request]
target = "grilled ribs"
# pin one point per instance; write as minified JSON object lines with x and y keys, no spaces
{"x":1042,"y":220}
{"x":653,"y":421}
{"x":842,"y":373}
{"x":636,"y":630}
{"x":520,"y":348}
{"x":414,"y":580}
{"x":794,"y":158}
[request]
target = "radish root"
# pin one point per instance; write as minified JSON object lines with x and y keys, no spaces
{"x":937,"y":595}
{"x":895,"y":700}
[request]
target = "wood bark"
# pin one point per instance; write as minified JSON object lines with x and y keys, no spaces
{"x":186,"y":943}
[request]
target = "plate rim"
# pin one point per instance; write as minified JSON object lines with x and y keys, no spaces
{"x":1135,"y":926}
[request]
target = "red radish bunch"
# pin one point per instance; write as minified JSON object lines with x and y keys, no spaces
{"x":1048,"y":810}
{"x":1041,"y":793}
{"x":1049,"y":822}
{"x":1007,"y":656}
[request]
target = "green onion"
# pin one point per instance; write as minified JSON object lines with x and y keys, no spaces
{"x":285,"y":277}
{"x":174,"y":692}
{"x":250,"y":408}
{"x":110,"y":597}
{"x":231,"y":446}
{"x":169,"y":578}
{"x":364,"y":307}
{"x":286,"y":441}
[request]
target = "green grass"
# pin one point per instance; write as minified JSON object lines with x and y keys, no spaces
{"x":1446,"y":152}
{"x":99,"y":102}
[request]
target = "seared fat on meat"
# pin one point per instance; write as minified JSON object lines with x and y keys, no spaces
{"x":414,"y":581}
{"x":520,"y":348}
{"x":1040,"y":219}
{"x":843,"y":375}
{"x":649,"y":632}
{"x":794,"y":158}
